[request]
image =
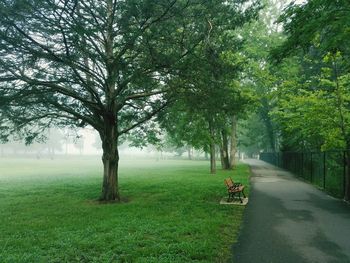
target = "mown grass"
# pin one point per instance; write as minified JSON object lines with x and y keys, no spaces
{"x":171,"y":212}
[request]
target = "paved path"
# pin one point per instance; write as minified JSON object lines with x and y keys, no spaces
{"x":287,"y":220}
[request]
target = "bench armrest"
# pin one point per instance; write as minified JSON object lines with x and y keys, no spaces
{"x":235,"y":187}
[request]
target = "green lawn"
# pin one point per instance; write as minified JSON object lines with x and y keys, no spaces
{"x":170,"y":213}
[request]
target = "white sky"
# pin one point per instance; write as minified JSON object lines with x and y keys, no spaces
{"x":298,"y":1}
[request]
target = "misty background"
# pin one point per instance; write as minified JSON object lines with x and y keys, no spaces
{"x":86,"y":142}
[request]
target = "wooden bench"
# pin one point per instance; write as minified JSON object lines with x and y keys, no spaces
{"x":233,"y":189}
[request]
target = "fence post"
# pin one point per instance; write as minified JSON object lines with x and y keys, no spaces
{"x":311,"y":170}
{"x":344,"y":171}
{"x":302,"y":164}
{"x":324,"y":170}
{"x":275,"y":159}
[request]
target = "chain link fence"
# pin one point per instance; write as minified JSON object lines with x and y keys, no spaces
{"x":326,"y":170}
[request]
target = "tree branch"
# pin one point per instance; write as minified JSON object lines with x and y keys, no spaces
{"x":144,"y":94}
{"x":146,"y":118}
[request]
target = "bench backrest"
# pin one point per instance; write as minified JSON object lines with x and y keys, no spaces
{"x":229,"y":182}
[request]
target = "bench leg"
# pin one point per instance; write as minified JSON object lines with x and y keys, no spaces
{"x":239,"y":196}
{"x":243,"y":194}
{"x":229,"y":197}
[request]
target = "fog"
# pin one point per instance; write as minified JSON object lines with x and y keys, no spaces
{"x":85,"y":142}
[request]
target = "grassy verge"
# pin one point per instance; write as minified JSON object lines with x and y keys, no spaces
{"x":172,"y":213}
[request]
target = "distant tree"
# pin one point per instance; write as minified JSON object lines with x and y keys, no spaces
{"x":97,"y":143}
{"x":252,"y":138}
{"x":204,"y":116}
{"x":211,"y":94}
{"x":51,"y":141}
{"x":259,"y":131}
{"x":79,"y":144}
{"x":54,"y":142}
{"x":14,"y":147}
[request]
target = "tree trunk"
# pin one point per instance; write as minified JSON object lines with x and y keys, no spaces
{"x":189,"y":152}
{"x":212,"y":150}
{"x":233,"y":142}
{"x":110,"y":159}
{"x":222,"y":158}
{"x":212,"y":159}
{"x":224,"y":151}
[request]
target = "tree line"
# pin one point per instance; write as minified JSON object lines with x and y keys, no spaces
{"x":304,"y":84}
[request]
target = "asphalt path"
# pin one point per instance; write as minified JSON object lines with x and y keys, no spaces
{"x":287,"y":220}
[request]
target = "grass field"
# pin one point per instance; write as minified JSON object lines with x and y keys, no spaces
{"x":170,"y":213}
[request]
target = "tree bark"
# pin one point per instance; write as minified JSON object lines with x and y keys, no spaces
{"x":212,"y":150}
{"x":233,"y":142}
{"x":225,"y":163}
{"x":189,"y":152}
{"x":212,"y":159}
{"x":222,"y":158}
{"x":110,"y":159}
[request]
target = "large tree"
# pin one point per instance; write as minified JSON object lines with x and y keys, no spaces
{"x":107,"y":64}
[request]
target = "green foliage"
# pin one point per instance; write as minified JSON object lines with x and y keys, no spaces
{"x":313,"y":111}
{"x":251,"y":135}
{"x":75,"y":64}
{"x":210,"y":91}
{"x":259,"y":132}
{"x":185,"y":128}
{"x":171,"y":212}
{"x":327,"y":27}
{"x":308,"y":121}
{"x":312,"y":106}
